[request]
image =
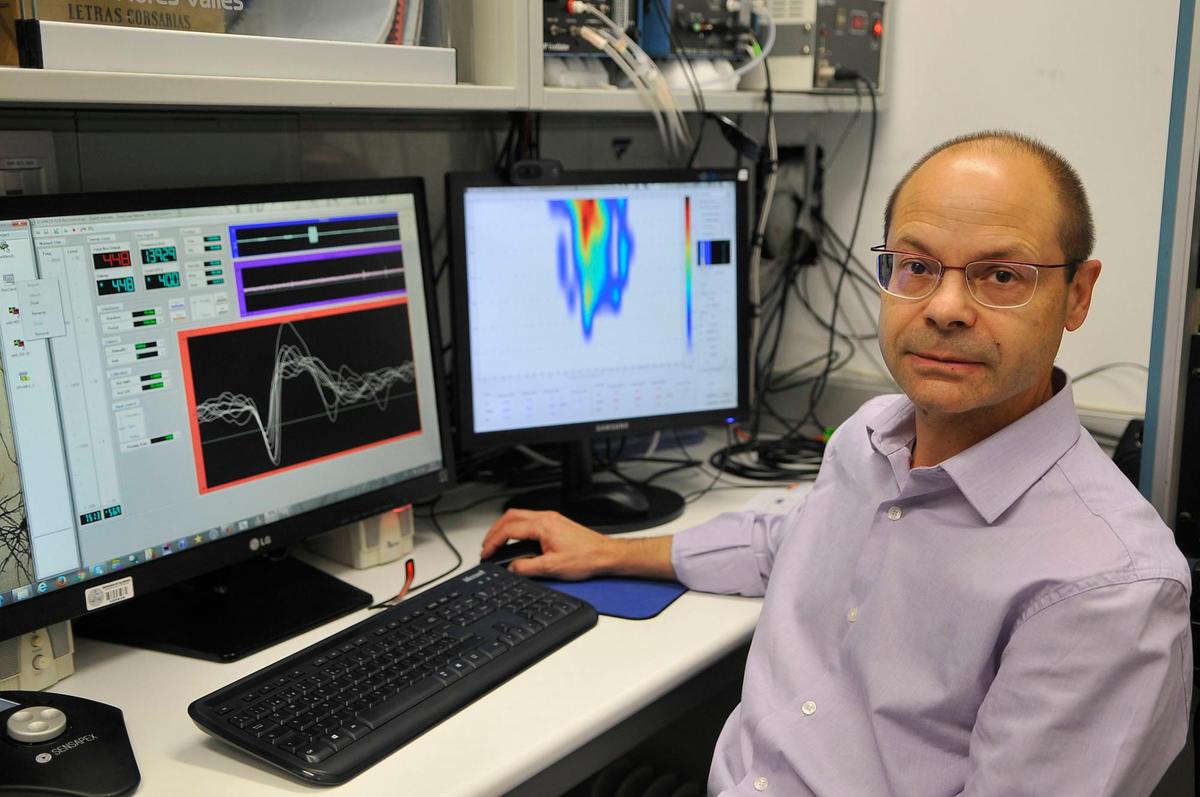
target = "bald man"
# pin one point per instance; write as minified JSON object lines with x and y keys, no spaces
{"x":973,"y":600}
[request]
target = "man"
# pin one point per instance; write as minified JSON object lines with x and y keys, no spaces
{"x":972,"y":600}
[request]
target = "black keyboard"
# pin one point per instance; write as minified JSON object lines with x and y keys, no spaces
{"x":330,"y":711}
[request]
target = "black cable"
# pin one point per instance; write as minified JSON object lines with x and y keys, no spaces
{"x":696,"y":496}
{"x":689,"y":74}
{"x":457,"y":564}
{"x":818,"y":388}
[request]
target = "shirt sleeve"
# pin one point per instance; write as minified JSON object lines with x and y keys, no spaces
{"x":731,"y":554}
{"x":1091,"y":696}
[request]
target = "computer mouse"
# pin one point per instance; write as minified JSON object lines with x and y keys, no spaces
{"x":514,"y":550}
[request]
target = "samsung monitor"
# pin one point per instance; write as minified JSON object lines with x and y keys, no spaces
{"x":598,"y":304}
{"x":194,"y":379}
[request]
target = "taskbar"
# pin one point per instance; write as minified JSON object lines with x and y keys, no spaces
{"x":175,"y":546}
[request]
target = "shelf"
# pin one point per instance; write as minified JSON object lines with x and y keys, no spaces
{"x":618,"y":100}
{"x":33,"y":86}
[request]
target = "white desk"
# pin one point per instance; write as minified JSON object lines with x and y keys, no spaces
{"x":493,"y":745}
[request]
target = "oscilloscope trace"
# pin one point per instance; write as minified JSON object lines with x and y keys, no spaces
{"x":336,"y":388}
{"x":268,"y":395}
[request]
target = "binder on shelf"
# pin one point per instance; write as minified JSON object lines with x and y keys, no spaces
{"x":97,"y":48}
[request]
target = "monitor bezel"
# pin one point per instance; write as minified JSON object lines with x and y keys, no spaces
{"x":69,"y":602}
{"x":456,"y":186}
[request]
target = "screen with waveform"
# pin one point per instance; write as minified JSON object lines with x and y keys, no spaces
{"x":594,"y":251}
{"x":312,"y":279}
{"x":270,"y":395}
{"x":275,"y":238}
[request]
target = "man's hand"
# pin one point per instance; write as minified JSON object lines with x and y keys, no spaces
{"x":572,"y":552}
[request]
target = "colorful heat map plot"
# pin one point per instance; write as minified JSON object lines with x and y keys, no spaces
{"x":595,"y":249}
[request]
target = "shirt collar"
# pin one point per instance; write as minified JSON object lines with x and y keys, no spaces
{"x":995,"y":472}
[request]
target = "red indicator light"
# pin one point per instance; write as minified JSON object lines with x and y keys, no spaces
{"x":877,"y":29}
{"x":858,"y":22}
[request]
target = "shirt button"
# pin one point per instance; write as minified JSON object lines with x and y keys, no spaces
{"x":895,"y":513}
{"x":808,"y":709}
{"x":760,"y":784}
{"x":852,"y":615}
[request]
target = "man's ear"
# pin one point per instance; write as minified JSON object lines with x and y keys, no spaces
{"x":1079,"y":293}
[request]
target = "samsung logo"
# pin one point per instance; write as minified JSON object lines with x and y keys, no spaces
{"x":612,"y":427}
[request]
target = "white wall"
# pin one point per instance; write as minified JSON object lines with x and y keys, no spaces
{"x":1091,"y":79}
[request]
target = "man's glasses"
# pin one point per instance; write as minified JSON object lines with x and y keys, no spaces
{"x":993,"y":283}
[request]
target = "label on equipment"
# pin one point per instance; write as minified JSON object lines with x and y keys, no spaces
{"x":108,"y":594}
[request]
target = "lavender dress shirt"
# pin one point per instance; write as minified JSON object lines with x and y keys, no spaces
{"x":1011,"y":622}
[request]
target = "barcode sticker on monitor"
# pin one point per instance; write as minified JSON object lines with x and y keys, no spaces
{"x":108,"y":594}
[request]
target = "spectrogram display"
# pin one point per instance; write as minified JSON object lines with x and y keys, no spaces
{"x":595,"y":249}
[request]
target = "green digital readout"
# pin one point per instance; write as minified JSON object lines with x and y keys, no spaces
{"x":108,"y":287}
{"x":168,"y":279}
{"x":159,"y":254}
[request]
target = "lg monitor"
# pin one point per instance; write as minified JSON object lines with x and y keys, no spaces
{"x":196,"y":379}
{"x":598,"y":304}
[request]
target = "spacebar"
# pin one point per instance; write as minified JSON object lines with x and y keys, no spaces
{"x":390,"y":709}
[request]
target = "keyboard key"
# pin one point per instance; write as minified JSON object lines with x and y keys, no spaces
{"x":356,"y":729}
{"x":336,"y":739}
{"x":317,"y":752}
{"x":494,"y":649}
{"x":421,"y":690}
{"x":261,"y":728}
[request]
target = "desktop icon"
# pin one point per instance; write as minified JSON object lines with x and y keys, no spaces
{"x":199,"y":538}
{"x":43,"y":586}
{"x":243,"y":525}
{"x":22,"y":593}
{"x":214,"y":534}
{"x":1,"y":598}
{"x":98,"y":570}
{"x":148,"y":554}
{"x":81,"y":575}
{"x":133,"y":559}
{"x":115,"y":564}
{"x":179,"y":546}
{"x":60,"y":582}
{"x":166,"y":548}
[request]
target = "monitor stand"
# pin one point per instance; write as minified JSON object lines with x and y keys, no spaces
{"x":607,"y":507}
{"x":228,"y":614}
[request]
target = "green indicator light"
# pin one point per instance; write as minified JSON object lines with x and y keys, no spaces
{"x":212,"y":238}
{"x":216,"y":282}
{"x":152,"y":386}
{"x":149,"y":377}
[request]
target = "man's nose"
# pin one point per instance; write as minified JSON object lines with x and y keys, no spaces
{"x":951,"y":304}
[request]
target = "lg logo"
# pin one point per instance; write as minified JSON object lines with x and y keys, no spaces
{"x":259,"y":542}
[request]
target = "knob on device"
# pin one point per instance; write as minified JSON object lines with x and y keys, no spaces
{"x":36,"y":724}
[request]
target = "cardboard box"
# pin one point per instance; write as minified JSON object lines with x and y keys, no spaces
{"x":183,"y":15}
{"x":8,"y":33}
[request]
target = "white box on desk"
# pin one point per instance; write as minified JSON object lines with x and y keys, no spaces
{"x":374,"y":541}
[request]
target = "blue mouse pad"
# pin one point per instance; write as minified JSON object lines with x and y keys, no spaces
{"x":627,"y":598}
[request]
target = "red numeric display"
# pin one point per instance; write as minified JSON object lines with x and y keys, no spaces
{"x":120,"y":259}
